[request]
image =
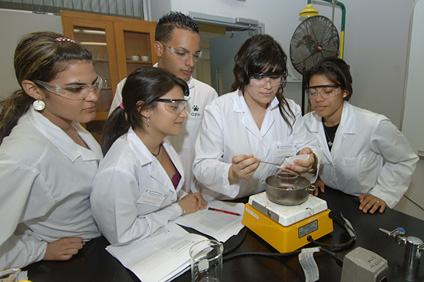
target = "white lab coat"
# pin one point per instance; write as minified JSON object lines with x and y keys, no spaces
{"x":45,"y":187}
{"x":200,"y":95}
{"x":228,"y":129}
{"x":369,"y":155}
{"x":132,"y":194}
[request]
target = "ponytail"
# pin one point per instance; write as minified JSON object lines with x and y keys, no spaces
{"x":116,"y":125}
{"x":12,"y":109}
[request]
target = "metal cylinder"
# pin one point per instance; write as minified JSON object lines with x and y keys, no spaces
{"x":412,"y":257}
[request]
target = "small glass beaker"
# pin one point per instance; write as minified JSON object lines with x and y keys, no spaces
{"x":206,"y":261}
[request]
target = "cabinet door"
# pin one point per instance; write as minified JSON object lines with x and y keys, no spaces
{"x":99,"y":38}
{"x":119,"y":46}
{"x":134,"y":43}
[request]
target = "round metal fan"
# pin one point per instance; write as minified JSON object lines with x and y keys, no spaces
{"x":314,"y":39}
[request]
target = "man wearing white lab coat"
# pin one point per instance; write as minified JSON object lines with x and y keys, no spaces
{"x":369,"y":155}
{"x":183,"y":38}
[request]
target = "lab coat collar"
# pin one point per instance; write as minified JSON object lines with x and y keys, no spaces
{"x":348,"y":120}
{"x":190,"y":82}
{"x":240,"y":106}
{"x":145,"y":158}
{"x":62,"y":141}
{"x":191,"y":85}
{"x":142,"y":153}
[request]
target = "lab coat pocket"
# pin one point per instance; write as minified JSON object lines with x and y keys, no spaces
{"x":369,"y":166}
{"x":350,"y":168}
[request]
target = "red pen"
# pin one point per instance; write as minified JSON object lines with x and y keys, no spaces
{"x":218,"y":210}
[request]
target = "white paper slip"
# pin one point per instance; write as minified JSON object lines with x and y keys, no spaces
{"x":220,"y":225}
{"x":160,"y":257}
{"x":290,"y":160}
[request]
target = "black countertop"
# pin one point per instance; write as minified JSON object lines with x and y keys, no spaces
{"x":94,"y":263}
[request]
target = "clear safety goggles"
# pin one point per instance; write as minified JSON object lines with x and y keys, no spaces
{"x":175,"y":106}
{"x":326,"y":91}
{"x":73,"y":91}
{"x":264,"y":79}
{"x":182,"y":53}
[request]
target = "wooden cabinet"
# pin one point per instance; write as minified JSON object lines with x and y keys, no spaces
{"x":119,"y":46}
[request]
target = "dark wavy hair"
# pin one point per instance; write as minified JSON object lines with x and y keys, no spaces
{"x":37,"y":57}
{"x":144,"y":84}
{"x":334,"y":69}
{"x":168,"y":22}
{"x":258,"y":54}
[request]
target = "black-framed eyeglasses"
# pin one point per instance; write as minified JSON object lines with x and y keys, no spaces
{"x":73,"y":91}
{"x":326,"y":91}
{"x":182,"y":53}
{"x":175,"y":106}
{"x":273,"y":78}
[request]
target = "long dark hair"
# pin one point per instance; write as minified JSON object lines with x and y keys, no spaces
{"x":38,"y":56}
{"x":261,"y":53}
{"x":144,"y":84}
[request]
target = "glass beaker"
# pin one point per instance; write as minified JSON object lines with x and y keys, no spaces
{"x":206,"y":261}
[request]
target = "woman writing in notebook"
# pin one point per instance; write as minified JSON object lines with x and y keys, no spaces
{"x":138,"y":186}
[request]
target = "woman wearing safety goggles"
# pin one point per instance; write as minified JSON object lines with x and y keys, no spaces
{"x":138,"y":186}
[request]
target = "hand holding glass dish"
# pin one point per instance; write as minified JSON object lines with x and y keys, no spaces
{"x":289,"y":160}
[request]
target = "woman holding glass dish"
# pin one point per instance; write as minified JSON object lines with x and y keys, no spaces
{"x":137,"y":189}
{"x":364,"y":153}
{"x":253,"y":123}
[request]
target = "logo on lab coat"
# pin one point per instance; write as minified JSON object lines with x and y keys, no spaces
{"x":195,"y":112}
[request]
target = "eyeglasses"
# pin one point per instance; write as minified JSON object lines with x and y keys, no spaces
{"x":175,"y":106}
{"x":182,"y":53}
{"x":273,"y":78}
{"x":74,"y":91}
{"x":326,"y":91}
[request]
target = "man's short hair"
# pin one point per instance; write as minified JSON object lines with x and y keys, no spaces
{"x":171,"y":20}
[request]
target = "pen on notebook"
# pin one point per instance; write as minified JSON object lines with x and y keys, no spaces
{"x":218,"y":210}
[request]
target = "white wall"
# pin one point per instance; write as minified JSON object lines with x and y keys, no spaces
{"x":158,"y":8}
{"x":414,"y":115}
{"x":13,"y":25}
